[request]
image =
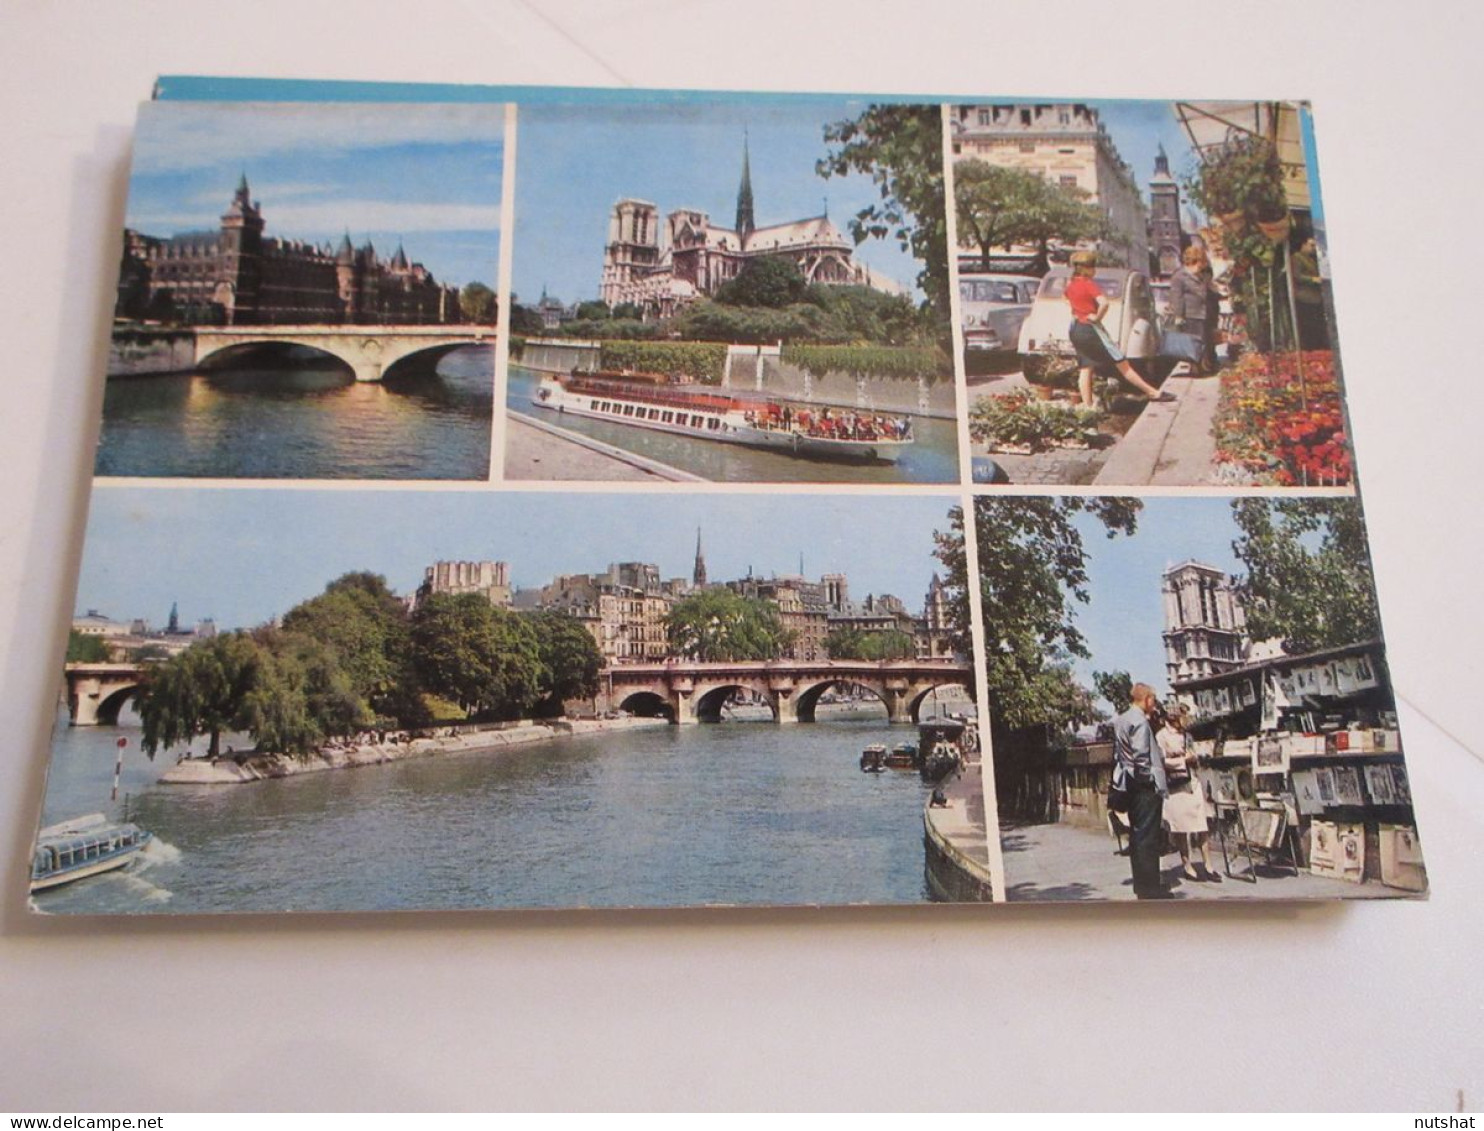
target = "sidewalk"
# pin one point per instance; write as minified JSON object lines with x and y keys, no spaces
{"x":537,"y":450}
{"x":1170,"y":445}
{"x":1065,"y":862}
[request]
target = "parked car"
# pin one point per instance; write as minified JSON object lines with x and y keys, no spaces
{"x":1046,"y":353}
{"x":993,"y":307}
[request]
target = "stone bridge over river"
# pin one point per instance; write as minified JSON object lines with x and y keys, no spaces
{"x":370,"y":351}
{"x":687,"y":692}
{"x":680,"y":690}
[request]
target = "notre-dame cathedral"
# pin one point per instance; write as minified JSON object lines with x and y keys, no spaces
{"x":660,"y":267}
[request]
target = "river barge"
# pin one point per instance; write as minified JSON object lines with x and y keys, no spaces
{"x":82,"y":847}
{"x":665,"y":404}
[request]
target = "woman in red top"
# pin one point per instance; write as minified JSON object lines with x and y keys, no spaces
{"x":1093,"y":345}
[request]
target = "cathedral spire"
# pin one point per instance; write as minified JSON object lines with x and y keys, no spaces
{"x":698,"y":577}
{"x":1161,"y":162}
{"x":745,"y":222}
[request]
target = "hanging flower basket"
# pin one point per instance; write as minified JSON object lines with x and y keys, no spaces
{"x":1233,"y":221}
{"x":1275,"y":231}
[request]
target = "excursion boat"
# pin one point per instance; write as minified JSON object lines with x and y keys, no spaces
{"x":873,"y":758}
{"x":84,"y":846}
{"x":946,"y":745}
{"x":652,"y":400}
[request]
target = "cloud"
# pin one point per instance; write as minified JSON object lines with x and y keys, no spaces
{"x":176,"y":136}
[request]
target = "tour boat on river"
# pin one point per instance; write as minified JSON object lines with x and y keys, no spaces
{"x":84,"y":846}
{"x":651,"y":400}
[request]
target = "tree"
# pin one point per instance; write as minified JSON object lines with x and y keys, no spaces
{"x":900,"y":147}
{"x":855,"y":644}
{"x":1032,"y":567}
{"x":773,"y":281}
{"x":364,"y":624}
{"x":525,"y":321}
{"x":570,"y":656}
{"x":477,"y":304}
{"x":718,"y":625}
{"x":593,"y":311}
{"x":1116,"y":687}
{"x":483,"y":658}
{"x":200,"y":691}
{"x":991,"y":201}
{"x":1308,"y":579}
{"x":628,"y":310}
{"x":84,"y":649}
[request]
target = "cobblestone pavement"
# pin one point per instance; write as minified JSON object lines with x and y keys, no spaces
{"x":1070,"y":863}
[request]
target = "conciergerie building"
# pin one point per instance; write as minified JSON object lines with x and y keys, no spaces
{"x":236,"y":275}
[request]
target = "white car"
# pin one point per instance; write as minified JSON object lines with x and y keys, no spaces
{"x":1046,"y":353}
{"x":993,"y":307}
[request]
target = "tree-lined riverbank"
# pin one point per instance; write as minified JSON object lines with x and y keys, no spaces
{"x":233,"y":769}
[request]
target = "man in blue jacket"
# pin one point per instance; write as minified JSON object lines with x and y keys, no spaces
{"x":1139,"y":768}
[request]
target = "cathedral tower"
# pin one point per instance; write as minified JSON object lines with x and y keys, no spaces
{"x":698,"y":577}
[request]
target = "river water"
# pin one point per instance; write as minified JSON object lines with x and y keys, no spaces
{"x":309,"y":422}
{"x":932,"y":459}
{"x":739,"y":812}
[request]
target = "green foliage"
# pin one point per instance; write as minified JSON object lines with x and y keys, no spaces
{"x":525,"y":321}
{"x":201,"y":691}
{"x":1017,"y":418}
{"x":1116,"y":687}
{"x":1032,"y":567}
{"x":857,"y":644}
{"x":999,"y":207}
{"x":570,"y":656}
{"x":1242,"y":175}
{"x":717,"y":625}
{"x":364,"y":626}
{"x":900,"y":147}
{"x":485,"y":659}
{"x":624,"y":329}
{"x":703,"y":361}
{"x":82,"y":649}
{"x":870,"y":361}
{"x":594,"y":311}
{"x":1308,"y":579}
{"x":628,"y":310}
{"x":773,"y":281}
{"x":477,"y":304}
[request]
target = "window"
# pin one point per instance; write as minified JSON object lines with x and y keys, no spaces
{"x":986,"y":117}
{"x":1064,"y":117}
{"x":1025,"y":117}
{"x":1068,"y":180}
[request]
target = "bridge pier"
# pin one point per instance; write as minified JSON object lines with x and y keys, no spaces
{"x":898,"y":702}
{"x":785,"y":710}
{"x":366,"y":362}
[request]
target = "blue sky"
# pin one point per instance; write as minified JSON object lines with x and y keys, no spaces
{"x":574,"y":162}
{"x":242,"y":556}
{"x":1138,"y":128}
{"x":428,"y":176}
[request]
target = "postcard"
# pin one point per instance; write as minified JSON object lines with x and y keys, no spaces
{"x":593,"y":499}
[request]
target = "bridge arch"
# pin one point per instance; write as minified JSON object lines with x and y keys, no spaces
{"x":223,"y":355}
{"x":807,"y":701}
{"x":920,"y":695}
{"x":648,"y":705}
{"x":108,"y":708}
{"x":709,"y":703}
{"x":419,"y":362}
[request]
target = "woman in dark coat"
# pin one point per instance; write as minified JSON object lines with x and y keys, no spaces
{"x":1193,"y":300}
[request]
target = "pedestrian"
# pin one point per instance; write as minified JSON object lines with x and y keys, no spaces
{"x":1094,"y":347}
{"x":1185,"y":807}
{"x":1193,"y":295}
{"x":1308,"y":293}
{"x":1138,"y":770}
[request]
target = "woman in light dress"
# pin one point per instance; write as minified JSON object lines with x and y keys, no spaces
{"x":1185,"y":808}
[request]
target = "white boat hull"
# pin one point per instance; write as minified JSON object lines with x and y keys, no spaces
{"x":730,"y":427}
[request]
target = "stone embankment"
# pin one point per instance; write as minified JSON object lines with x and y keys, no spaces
{"x":956,"y":843}
{"x":148,"y":352}
{"x":238,"y":769}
